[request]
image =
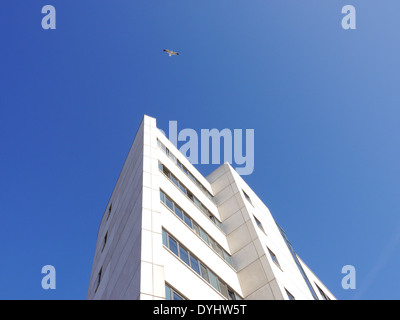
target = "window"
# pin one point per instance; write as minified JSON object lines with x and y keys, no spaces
{"x":169,"y":203}
{"x":183,"y":188}
{"x":204,"y":272}
{"x":109,"y":212}
{"x":98,"y":279}
{"x":213,"y":280}
{"x":247,"y":197}
{"x":231,"y":295}
{"x":196,"y":228}
{"x":104,"y":242}
{"x":194,"y":264}
{"x":184,"y":255}
{"x":172,"y":294}
{"x":223,"y":288}
{"x":166,"y":171}
{"x":204,"y":236}
{"x":178,"y":212}
{"x":323,"y":294}
{"x":290,"y":296}
{"x":174,"y":180}
{"x":164,"y":238}
{"x":259,"y":223}
{"x":187,"y":220}
{"x":274,"y":258}
{"x":173,"y":245}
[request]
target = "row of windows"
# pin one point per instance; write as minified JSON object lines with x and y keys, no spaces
{"x":190,"y":195}
{"x":195,"y":227}
{"x":98,"y":280}
{"x":185,"y":170}
{"x":199,"y":267}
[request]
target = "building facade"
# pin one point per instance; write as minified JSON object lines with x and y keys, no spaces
{"x":170,"y":233}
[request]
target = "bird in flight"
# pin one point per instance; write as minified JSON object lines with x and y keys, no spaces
{"x":170,"y":52}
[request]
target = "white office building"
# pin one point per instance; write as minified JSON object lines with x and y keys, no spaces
{"x":170,"y":233}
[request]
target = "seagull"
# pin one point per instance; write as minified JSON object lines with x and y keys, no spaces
{"x":170,"y":52}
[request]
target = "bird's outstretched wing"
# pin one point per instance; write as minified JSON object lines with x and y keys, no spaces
{"x":170,"y":52}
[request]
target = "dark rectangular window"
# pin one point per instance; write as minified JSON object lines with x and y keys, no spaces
{"x":290,"y":296}
{"x":165,"y":238}
{"x":259,"y":223}
{"x":323,"y":294}
{"x":171,"y":294}
{"x":194,"y":264}
{"x":178,"y":212}
{"x":169,"y":203}
{"x":173,"y":245}
{"x":109,"y":212}
{"x":187,"y":220}
{"x":184,"y":255}
{"x":273,"y":257}
{"x":98,"y":279}
{"x":104,"y":242}
{"x":183,"y":188}
{"x":247,"y":197}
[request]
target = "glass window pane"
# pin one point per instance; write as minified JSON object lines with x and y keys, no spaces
{"x":173,"y":245}
{"x":204,"y":272}
{"x":204,"y":235}
{"x":219,"y":250}
{"x":176,"y":296}
{"x":231,"y":294}
{"x":197,"y":203}
{"x":238,"y":297}
{"x":223,"y":288}
{"x":183,"y":188}
{"x":166,"y":171}
{"x":187,"y":220}
{"x":167,"y":293}
{"x":169,"y":203}
{"x":183,"y":254}
{"x":191,"y":177}
{"x":172,"y":157}
{"x":212,"y":243}
{"x":194,"y":264}
{"x":196,"y":228}
{"x":162,"y":196}
{"x":164,"y":238}
{"x":219,"y":225}
{"x":174,"y":180}
{"x":213,"y":280}
{"x":179,"y":212}
{"x":227,"y":258}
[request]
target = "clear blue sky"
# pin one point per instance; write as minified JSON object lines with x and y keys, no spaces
{"x":324,"y":103}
